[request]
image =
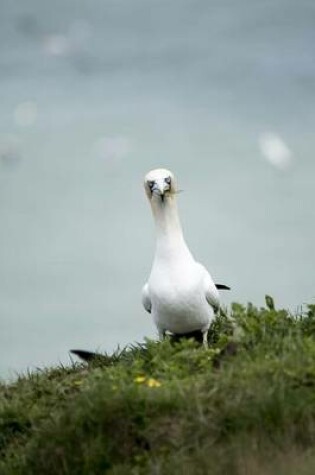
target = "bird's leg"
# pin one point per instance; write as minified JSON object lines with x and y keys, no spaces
{"x":205,"y":338}
{"x":161,"y":335}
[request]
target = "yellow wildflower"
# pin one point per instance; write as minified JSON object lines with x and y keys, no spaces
{"x":139,"y":379}
{"x":153,"y":383}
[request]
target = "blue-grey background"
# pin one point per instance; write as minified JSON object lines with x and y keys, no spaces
{"x":92,"y":96}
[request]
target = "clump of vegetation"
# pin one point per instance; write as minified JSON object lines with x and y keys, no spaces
{"x":174,"y":407}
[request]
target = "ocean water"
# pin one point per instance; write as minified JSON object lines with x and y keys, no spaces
{"x":92,"y":96}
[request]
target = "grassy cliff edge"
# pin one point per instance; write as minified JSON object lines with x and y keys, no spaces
{"x":167,"y":408}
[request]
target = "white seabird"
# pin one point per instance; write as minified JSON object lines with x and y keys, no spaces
{"x":180,"y":293}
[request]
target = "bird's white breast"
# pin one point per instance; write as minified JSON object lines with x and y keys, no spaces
{"x":177,"y":296}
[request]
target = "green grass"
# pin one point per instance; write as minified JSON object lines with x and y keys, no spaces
{"x":168,"y":408}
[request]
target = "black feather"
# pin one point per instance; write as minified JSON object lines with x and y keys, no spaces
{"x":222,"y":287}
{"x":88,"y":356}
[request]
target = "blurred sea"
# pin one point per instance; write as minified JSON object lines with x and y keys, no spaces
{"x":93,"y":95}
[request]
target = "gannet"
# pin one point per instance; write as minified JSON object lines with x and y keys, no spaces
{"x":180,"y":293}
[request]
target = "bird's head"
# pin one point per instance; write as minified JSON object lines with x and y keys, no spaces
{"x":159,"y":185}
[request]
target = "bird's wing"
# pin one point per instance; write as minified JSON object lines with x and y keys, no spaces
{"x":146,"y":300}
{"x":211,"y":291}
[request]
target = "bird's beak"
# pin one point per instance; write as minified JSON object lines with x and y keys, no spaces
{"x":160,"y":189}
{"x":163,"y":190}
{"x":158,"y":193}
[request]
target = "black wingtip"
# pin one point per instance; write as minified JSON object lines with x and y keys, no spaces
{"x":88,"y":356}
{"x":222,"y":287}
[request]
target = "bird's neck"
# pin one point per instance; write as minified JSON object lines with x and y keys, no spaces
{"x":170,"y":240}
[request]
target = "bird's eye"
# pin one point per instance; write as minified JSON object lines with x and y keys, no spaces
{"x":151,"y":184}
{"x":168,"y":180}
